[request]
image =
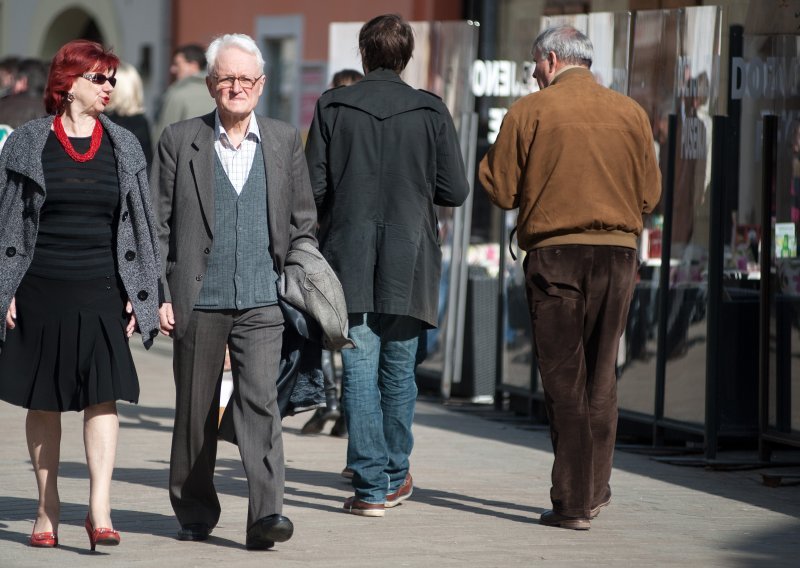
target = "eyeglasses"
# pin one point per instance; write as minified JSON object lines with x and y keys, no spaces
{"x":100,"y":78}
{"x":245,"y":82}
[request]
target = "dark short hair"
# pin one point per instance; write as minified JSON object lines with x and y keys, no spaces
{"x":70,"y":62}
{"x":386,"y":41}
{"x":35,"y":71}
{"x":10,"y":64}
{"x":193,"y":53}
{"x":346,"y":77}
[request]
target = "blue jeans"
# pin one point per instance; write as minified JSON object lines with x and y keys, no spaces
{"x":379,"y":397}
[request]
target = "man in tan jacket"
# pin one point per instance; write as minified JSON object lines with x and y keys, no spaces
{"x":578,"y":161}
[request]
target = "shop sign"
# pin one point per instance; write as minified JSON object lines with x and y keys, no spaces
{"x":765,"y":78}
{"x":771,"y":80}
{"x":501,"y":78}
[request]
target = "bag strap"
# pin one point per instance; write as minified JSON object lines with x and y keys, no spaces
{"x":510,"y":242}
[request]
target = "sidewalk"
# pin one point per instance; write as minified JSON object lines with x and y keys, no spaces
{"x":480,"y":485}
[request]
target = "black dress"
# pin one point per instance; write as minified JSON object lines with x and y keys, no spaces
{"x":140,"y":127}
{"x":69,"y":349}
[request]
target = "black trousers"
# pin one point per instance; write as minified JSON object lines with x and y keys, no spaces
{"x":579,"y":297}
{"x":254,"y":340}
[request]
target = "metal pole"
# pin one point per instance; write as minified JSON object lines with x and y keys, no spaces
{"x":663,"y":285}
{"x":716,"y":253}
{"x":768,"y":165}
{"x":470,"y":130}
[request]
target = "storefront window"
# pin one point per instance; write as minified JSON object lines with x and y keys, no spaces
{"x":767,"y":81}
{"x":696,"y":79}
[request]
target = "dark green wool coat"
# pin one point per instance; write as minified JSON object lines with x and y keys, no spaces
{"x":381,"y":155}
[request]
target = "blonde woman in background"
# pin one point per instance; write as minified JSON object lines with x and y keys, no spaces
{"x":127,"y":107}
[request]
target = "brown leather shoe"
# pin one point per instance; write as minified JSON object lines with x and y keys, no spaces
{"x":596,"y":510}
{"x":553,"y":519}
{"x":356,"y":506}
{"x":403,"y":492}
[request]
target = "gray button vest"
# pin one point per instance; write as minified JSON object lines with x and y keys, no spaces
{"x":240,"y":273}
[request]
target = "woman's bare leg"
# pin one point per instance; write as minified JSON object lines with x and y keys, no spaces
{"x":100,"y":430}
{"x":43,"y":432}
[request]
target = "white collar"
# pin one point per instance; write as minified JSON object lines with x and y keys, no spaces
{"x":252,"y":128}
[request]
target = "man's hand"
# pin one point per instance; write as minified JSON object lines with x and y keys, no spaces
{"x":166,"y":319}
{"x":11,"y":316}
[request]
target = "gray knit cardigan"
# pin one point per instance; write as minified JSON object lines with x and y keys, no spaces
{"x":22,"y":194}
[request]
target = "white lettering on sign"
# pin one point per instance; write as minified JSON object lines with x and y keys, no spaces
{"x":770,"y":78}
{"x":693,"y":139}
{"x":496,"y":116}
{"x":501,"y":78}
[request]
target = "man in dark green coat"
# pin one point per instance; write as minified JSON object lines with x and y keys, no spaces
{"x":381,"y":155}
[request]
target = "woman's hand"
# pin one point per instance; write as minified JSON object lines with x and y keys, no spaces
{"x":132,"y":321}
{"x":11,"y":316}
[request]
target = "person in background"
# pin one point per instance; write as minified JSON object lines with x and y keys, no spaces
{"x":578,"y":161}
{"x":188,"y":96}
{"x":233,"y":199}
{"x":25,"y":99}
{"x":332,"y":410}
{"x":78,"y":275}
{"x":127,"y":107}
{"x":381,"y":155}
{"x":346,"y":77}
{"x":8,"y":72}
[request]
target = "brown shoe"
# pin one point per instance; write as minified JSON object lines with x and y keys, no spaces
{"x":347,"y":473}
{"x":596,"y":510}
{"x":403,"y":492}
{"x":356,"y":506}
{"x":553,"y":519}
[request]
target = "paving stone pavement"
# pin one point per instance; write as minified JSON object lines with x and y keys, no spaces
{"x":480,"y":485}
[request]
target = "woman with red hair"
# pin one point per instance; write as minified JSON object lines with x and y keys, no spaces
{"x":79,"y":269}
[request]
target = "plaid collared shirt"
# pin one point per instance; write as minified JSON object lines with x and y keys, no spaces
{"x":236,"y":161}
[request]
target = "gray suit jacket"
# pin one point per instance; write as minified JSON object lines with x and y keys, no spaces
{"x":310,"y":284}
{"x":183,"y":196}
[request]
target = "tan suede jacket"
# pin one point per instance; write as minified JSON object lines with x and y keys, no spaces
{"x":578,"y":160}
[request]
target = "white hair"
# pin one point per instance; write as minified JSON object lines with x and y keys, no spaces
{"x":569,"y":44}
{"x":240,"y":41}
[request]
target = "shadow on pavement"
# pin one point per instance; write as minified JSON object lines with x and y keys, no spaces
{"x":737,"y":486}
{"x":147,"y":417}
{"x":73,"y":514}
{"x":761,"y":545}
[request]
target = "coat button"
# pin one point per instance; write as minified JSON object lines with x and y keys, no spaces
{"x":207,"y":250}
{"x":130,"y":255}
{"x":11,"y":251}
{"x":142,"y":295}
{"x":199,"y":277}
{"x":125,"y":216}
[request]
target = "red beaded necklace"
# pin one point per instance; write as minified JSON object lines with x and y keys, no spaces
{"x":97,"y":136}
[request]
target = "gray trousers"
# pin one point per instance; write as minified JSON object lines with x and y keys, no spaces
{"x":579,"y":297}
{"x":254,"y":340}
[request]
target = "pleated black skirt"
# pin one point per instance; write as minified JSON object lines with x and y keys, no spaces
{"x":69,"y":349}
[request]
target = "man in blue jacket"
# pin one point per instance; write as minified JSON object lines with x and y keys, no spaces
{"x":381,"y":156}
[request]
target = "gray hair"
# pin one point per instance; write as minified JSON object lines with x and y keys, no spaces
{"x":570,"y":45}
{"x":240,"y":41}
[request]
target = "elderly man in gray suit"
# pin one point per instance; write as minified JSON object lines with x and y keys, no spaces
{"x":233,"y":198}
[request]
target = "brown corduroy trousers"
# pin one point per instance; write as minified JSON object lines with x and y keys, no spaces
{"x":579,"y":297}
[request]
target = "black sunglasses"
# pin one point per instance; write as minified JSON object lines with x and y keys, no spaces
{"x":100,"y":78}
